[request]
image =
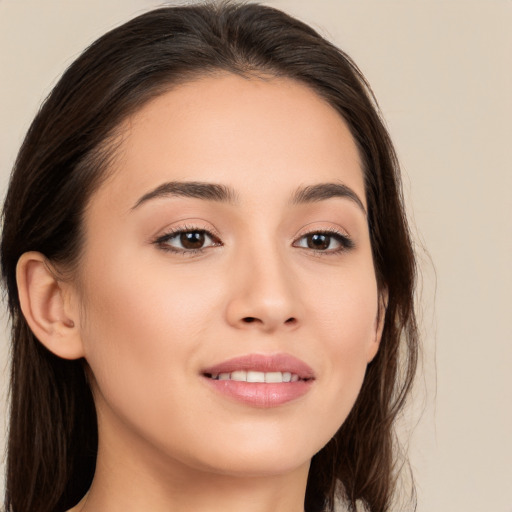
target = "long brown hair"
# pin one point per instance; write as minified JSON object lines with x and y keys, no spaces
{"x":53,"y":434}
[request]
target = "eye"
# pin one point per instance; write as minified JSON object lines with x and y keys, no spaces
{"x":325,"y":241}
{"x":187,"y":240}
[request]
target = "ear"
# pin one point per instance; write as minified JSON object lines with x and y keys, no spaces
{"x":47,"y":306}
{"x":373,"y":348}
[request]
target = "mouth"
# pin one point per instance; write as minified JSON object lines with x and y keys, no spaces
{"x":261,"y":380}
{"x":256,"y":376}
{"x":269,"y":368}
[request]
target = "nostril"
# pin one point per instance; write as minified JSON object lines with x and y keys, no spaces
{"x":253,"y":319}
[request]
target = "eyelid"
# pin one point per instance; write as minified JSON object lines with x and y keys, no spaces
{"x":344,"y":239}
{"x":172,"y":232}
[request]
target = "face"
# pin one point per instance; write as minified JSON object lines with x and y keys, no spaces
{"x":227,"y":289}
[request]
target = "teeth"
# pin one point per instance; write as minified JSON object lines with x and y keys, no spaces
{"x":253,"y":376}
{"x":240,"y":376}
{"x":273,"y":377}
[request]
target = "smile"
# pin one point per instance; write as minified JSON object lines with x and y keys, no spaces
{"x":255,"y":376}
{"x":262,"y":381}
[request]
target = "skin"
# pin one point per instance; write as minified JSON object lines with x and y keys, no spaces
{"x":148,"y":320}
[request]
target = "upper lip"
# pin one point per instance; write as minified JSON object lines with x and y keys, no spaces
{"x":263,"y":363}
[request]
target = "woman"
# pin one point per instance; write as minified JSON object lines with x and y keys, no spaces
{"x":210,"y":276}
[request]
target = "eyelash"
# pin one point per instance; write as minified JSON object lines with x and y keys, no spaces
{"x":345,"y":242}
{"x":163,"y":241}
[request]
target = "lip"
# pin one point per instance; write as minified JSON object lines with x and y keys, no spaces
{"x":257,"y":394}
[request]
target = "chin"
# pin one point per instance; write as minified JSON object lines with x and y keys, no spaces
{"x":263,"y":457}
{"x":261,"y":466}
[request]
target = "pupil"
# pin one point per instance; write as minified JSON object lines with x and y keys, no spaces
{"x":192,"y":240}
{"x":318,"y":241}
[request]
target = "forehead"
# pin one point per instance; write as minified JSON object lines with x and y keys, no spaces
{"x":236,"y":130}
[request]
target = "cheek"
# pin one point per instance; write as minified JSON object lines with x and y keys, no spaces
{"x":346,"y":304}
{"x":347,"y":323}
{"x":141,"y":332}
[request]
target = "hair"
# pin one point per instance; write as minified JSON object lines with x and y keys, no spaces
{"x":65,"y":156}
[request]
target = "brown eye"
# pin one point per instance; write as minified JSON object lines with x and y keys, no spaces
{"x":187,"y":240}
{"x":328,"y":242}
{"x":318,"y":241}
{"x":192,"y":239}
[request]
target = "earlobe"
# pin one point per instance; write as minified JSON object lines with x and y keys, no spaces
{"x":379,"y":325}
{"x":46,"y":306}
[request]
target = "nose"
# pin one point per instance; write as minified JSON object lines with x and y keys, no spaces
{"x":262,"y":294}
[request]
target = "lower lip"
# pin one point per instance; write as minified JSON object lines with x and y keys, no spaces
{"x":260,"y":394}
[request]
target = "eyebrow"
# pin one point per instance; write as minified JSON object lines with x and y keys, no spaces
{"x":323,"y":191}
{"x":194,"y":189}
{"x":225,"y":194}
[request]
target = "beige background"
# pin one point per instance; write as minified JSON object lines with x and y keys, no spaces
{"x":442,"y":73}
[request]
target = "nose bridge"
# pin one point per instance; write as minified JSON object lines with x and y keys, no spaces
{"x":263,"y":293}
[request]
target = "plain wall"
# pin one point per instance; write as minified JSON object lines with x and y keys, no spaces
{"x":442,"y":73}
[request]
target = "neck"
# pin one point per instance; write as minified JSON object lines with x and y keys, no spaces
{"x":128,"y":484}
{"x":205,"y":493}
